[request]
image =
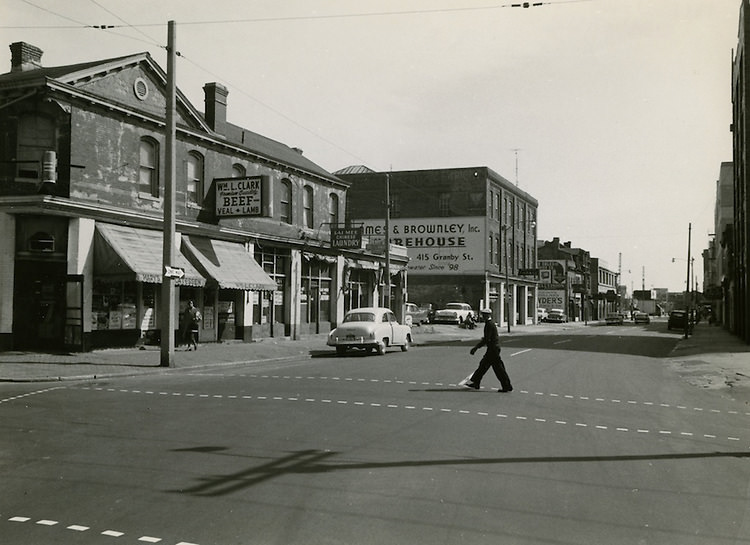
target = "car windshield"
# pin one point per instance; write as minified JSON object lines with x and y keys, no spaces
{"x":360,"y":317}
{"x":454,"y":306}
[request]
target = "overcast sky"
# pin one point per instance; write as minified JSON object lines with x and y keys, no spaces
{"x":613,"y":114}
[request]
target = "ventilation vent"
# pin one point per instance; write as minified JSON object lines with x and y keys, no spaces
{"x":140,"y":87}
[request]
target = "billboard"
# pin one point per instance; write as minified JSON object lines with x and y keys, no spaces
{"x":550,"y":299}
{"x":436,"y":246}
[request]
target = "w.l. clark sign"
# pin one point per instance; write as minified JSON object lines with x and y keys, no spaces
{"x":238,"y":196}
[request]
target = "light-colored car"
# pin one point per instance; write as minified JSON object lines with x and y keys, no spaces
{"x":541,"y":314}
{"x":614,"y":318}
{"x":557,"y":316}
{"x":453,"y":313}
{"x":370,"y":328}
{"x":641,"y":318}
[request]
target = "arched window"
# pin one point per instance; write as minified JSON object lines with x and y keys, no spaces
{"x":194,"y":188}
{"x":238,"y":171}
{"x":148,"y":173}
{"x":307,"y":206}
{"x":333,"y":209}
{"x":285,"y":201}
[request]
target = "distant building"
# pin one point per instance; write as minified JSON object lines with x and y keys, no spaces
{"x":470,"y":234}
{"x":565,"y":278}
{"x":604,"y":296}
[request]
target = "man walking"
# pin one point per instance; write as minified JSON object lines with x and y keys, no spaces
{"x":490,"y":339}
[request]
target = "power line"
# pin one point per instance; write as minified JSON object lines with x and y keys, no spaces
{"x":292,"y":17}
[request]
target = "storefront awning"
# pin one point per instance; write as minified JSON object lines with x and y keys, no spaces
{"x":362,"y":264}
{"x":227,"y":263}
{"x":124,"y":253}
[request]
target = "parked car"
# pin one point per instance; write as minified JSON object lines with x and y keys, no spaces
{"x":541,"y":314}
{"x":453,"y":313}
{"x":556,"y":315}
{"x":370,"y":328}
{"x":641,"y":318}
{"x":677,"y":320}
{"x":416,"y":315}
{"x":614,"y":318}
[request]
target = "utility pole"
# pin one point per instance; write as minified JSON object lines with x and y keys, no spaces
{"x":515,"y":151}
{"x":687,"y":285}
{"x":387,"y":292}
{"x":168,"y":254}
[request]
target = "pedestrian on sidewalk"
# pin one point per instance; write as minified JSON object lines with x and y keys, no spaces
{"x":491,"y":358}
{"x":192,"y":319}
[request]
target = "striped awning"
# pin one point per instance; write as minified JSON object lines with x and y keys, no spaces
{"x":123,"y":253}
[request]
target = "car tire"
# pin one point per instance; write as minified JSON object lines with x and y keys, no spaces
{"x":340,"y":350}
{"x":380,"y":349}
{"x":405,"y":346}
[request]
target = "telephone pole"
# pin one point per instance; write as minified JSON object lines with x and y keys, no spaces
{"x":169,"y":253}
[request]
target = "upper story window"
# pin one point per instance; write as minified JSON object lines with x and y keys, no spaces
{"x":194,"y":190}
{"x":36,"y":134}
{"x":285,"y":201}
{"x":333,"y":209}
{"x":148,"y":170}
{"x":307,"y":207}
{"x":395,"y":206}
{"x":444,"y":204}
{"x":238,"y":171}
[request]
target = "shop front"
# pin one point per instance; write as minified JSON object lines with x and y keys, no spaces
{"x":125,"y":297}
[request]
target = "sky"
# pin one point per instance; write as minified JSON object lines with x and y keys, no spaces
{"x":614,"y":114}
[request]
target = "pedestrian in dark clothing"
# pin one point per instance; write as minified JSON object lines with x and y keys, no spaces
{"x":192,"y":319}
{"x":490,"y":339}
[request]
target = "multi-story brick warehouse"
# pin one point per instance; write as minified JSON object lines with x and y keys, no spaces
{"x":469,"y":232}
{"x":82,"y":172}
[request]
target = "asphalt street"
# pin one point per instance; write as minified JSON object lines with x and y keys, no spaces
{"x":602,"y":441}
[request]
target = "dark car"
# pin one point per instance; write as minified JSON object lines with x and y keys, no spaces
{"x":641,"y":318}
{"x":677,"y":319}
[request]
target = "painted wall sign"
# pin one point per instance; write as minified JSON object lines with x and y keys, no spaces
{"x":449,"y":246}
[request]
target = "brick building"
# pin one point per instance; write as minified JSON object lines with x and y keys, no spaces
{"x":470,"y":234}
{"x":82,"y":170}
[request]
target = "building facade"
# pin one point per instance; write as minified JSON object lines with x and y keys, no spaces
{"x":739,"y":263}
{"x":82,"y":178}
{"x":565,"y":279}
{"x":470,"y":234}
{"x":604,"y":297}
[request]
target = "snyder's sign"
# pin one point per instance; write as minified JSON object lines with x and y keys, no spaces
{"x":238,"y":196}
{"x":436,"y":245}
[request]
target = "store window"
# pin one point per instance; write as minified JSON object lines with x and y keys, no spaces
{"x":275,"y":263}
{"x":315,"y":296}
{"x":114,"y":306}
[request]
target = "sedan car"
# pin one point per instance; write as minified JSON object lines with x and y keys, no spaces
{"x":370,"y":328}
{"x":416,"y":315}
{"x":453,"y":313}
{"x":677,"y":320}
{"x":556,"y":315}
{"x":641,"y":318}
{"x":614,"y":318}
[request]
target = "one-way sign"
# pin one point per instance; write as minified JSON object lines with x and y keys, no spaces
{"x":173,"y":272}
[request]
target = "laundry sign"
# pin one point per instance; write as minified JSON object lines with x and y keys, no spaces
{"x":239,"y":196}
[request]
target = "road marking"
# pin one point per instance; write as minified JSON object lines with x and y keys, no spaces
{"x":563,"y":341}
{"x":521,"y":352}
{"x":439,"y":409}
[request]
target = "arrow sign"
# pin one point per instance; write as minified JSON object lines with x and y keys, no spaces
{"x":173,"y":272}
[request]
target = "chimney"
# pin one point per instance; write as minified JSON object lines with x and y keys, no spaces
{"x":24,"y":57}
{"x":216,"y":106}
{"x":298,"y":150}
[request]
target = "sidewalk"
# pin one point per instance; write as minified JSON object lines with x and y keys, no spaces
{"x":710,"y":358}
